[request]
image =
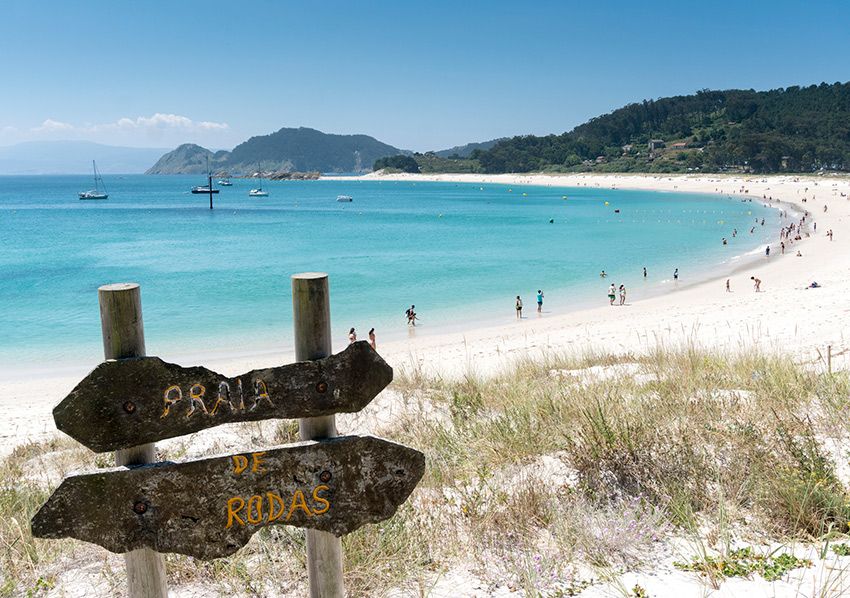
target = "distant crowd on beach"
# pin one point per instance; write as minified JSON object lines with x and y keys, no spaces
{"x":789,"y":233}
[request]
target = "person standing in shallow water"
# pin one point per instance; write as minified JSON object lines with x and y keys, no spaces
{"x":518,"y":308}
{"x":539,"y":301}
{"x":372,"y":338}
{"x":676,"y":274}
{"x":644,"y":271}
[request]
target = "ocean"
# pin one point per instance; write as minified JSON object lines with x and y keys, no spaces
{"x":217,"y":282}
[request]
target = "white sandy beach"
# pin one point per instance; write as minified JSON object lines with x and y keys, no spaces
{"x":784,"y":317}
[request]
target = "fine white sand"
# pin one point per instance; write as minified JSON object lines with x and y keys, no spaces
{"x":784,"y":317}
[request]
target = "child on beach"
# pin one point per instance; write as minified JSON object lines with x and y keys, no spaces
{"x":518,"y":308}
{"x":756,"y":283}
{"x":612,"y":294}
{"x":539,"y":301}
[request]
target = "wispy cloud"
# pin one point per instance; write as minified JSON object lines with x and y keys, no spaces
{"x":52,"y":126}
{"x":157,"y":122}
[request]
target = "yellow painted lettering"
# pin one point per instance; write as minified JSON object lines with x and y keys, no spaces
{"x":257,"y":458}
{"x":240,"y":463}
{"x":298,"y":502}
{"x":196,"y":396}
{"x":255,"y":503}
{"x":232,"y":509}
{"x":171,"y":395}
{"x":321,"y":500}
{"x":275,"y":500}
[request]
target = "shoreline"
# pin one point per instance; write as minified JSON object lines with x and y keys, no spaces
{"x":699,"y":312}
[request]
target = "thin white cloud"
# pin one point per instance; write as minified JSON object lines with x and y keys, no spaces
{"x":52,"y":126}
{"x":157,"y":122}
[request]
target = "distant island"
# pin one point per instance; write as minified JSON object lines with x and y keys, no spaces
{"x":287,"y":150}
{"x":795,"y":129}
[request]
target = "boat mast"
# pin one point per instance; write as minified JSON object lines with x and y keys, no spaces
{"x":209,"y":181}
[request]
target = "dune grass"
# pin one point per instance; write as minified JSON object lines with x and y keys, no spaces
{"x":538,"y":476}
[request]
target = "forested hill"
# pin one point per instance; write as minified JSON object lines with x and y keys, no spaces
{"x":797,"y":129}
{"x":287,"y":150}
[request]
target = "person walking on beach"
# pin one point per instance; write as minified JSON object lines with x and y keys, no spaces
{"x":612,"y":294}
{"x":352,"y":336}
{"x":518,"y":308}
{"x":372,"y":338}
{"x":728,"y":288}
{"x":539,"y":301}
{"x":782,"y":247}
{"x":767,"y":251}
{"x":756,"y":283}
{"x":622,"y":294}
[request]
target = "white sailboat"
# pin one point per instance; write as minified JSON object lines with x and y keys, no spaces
{"x":95,"y":193}
{"x":258,"y":192}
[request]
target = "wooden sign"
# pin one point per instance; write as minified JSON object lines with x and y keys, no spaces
{"x":129,"y":402}
{"x":210,"y":508}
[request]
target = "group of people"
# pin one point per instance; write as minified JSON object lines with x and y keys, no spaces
{"x":612,"y":294}
{"x":352,"y":337}
{"x":518,"y":304}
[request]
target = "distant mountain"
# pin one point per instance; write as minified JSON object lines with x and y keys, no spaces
{"x":288,"y":149}
{"x":74,"y":157}
{"x":464,"y":151}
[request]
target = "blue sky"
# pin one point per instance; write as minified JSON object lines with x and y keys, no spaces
{"x":418,"y":75}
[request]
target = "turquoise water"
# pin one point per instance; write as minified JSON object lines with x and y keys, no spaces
{"x":219,"y":280}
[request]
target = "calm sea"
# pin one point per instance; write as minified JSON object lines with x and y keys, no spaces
{"x":218,"y":281}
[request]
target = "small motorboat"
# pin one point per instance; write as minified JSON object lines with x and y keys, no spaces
{"x":344,"y":198}
{"x":205,"y":189}
{"x":225,"y":183}
{"x":258,"y":193}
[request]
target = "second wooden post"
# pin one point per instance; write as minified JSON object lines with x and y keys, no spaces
{"x":311,"y":310}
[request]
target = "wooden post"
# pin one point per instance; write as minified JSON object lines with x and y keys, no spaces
{"x":124,"y":336}
{"x":311,"y":312}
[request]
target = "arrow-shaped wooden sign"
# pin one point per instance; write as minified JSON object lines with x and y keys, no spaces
{"x":129,"y":402}
{"x":210,"y":508}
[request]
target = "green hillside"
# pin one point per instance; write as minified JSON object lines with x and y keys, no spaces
{"x":797,"y":129}
{"x":287,"y":150}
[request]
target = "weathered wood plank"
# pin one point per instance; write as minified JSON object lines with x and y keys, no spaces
{"x":129,"y":402}
{"x":210,"y":508}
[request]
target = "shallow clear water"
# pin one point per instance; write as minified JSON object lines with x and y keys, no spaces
{"x":219,"y":280}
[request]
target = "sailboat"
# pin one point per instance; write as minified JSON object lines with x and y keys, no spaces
{"x":258,"y":192}
{"x":95,"y":193}
{"x":208,"y":188}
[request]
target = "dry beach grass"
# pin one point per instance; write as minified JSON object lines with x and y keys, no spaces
{"x":559,"y":475}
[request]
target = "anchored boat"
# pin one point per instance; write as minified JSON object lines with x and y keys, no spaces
{"x":95,"y":193}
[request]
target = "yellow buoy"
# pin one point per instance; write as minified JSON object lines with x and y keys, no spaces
{"x":606,"y":203}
